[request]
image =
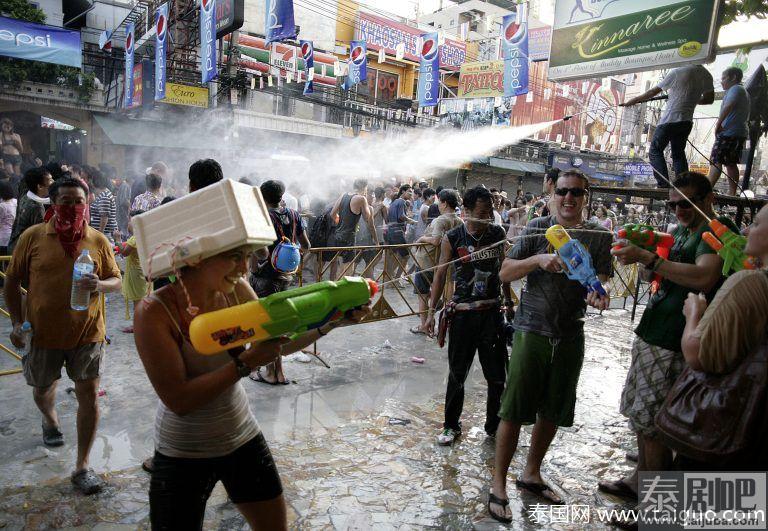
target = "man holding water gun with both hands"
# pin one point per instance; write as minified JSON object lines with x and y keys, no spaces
{"x":548,"y":347}
{"x":657,"y":359}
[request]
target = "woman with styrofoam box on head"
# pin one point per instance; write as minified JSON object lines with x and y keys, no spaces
{"x":205,"y":431}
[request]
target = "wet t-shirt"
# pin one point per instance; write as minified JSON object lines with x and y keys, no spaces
{"x":552,"y":304}
{"x":477,"y":276}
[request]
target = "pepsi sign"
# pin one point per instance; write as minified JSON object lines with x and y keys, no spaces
{"x":279,"y":22}
{"x":429,"y":71}
{"x":514,"y":51}
{"x":208,"y":40}
{"x":308,"y":54}
{"x":161,"y":38}
{"x":358,"y":64}
{"x":129,"y":41}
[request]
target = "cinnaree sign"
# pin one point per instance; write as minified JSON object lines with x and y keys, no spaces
{"x":593,"y":38}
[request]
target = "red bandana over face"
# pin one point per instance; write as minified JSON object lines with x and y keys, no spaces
{"x":70,"y":226}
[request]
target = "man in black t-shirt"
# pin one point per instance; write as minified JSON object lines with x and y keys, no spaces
{"x":476,"y":322}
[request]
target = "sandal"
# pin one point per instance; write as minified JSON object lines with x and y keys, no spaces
{"x":148,"y":465}
{"x":87,"y":482}
{"x":52,"y":436}
{"x":617,"y":488}
{"x":540,"y":489}
{"x":417,"y":330}
{"x":257,"y":377}
{"x":492,"y":498}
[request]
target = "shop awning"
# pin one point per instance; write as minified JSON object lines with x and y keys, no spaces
{"x":516,"y":165}
{"x":127,"y":132}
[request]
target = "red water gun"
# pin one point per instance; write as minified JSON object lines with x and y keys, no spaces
{"x":646,"y":237}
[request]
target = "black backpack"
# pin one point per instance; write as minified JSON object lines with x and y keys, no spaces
{"x":321,"y":229}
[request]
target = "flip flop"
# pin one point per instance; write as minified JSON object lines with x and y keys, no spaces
{"x":417,"y":330}
{"x":492,"y":498}
{"x":617,"y":488}
{"x":540,"y":489}
{"x":259,"y":378}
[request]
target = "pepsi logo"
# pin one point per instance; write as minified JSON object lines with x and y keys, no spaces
{"x":429,"y":49}
{"x":206,"y":5}
{"x":515,"y":32}
{"x":129,"y":42}
{"x":357,"y":55}
{"x":161,"y":26}
{"x":306,"y":50}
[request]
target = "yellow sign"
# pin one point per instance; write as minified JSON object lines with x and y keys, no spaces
{"x":481,"y":80}
{"x":186,"y":95}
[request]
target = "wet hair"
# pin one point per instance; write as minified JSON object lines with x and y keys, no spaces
{"x":6,"y":120}
{"x":272,"y":191}
{"x":66,"y":182}
{"x":734,"y":73}
{"x":76,"y":168}
{"x":404,"y":188}
{"x":154,"y":181}
{"x":449,"y":197}
{"x":6,"y":191}
{"x":478,"y":193}
{"x":379,"y":192}
{"x":439,"y":189}
{"x":427,"y":193}
{"x":54,"y":168}
{"x":552,"y":174}
{"x":573,"y":172}
{"x":167,"y":199}
{"x":359,"y":184}
{"x":204,"y":172}
{"x":699,"y":182}
{"x":98,"y":180}
{"x":35,"y":177}
{"x":528,"y":197}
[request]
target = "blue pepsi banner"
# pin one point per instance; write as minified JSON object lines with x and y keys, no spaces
{"x":429,"y":71}
{"x":129,"y":42}
{"x":279,"y":23}
{"x":38,"y":42}
{"x":514,"y":51}
{"x":308,"y":54}
{"x":358,"y":64}
{"x":208,"y":40}
{"x":161,"y":38}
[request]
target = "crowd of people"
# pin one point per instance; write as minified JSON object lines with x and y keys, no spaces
{"x":470,"y":248}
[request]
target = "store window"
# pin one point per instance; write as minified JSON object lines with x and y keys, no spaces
{"x":382,"y":86}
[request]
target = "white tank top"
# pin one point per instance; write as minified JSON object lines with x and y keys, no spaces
{"x":215,"y":429}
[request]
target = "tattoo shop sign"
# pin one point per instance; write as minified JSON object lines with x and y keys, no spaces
{"x":481,"y":80}
{"x":593,"y":38}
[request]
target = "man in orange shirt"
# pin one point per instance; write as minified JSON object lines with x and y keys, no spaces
{"x":43,"y":260}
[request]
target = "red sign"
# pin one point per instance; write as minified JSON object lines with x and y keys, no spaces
{"x":379,"y":32}
{"x":138,"y":86}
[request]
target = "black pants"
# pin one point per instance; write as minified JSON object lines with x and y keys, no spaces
{"x":471,"y":331}
{"x":676,"y":135}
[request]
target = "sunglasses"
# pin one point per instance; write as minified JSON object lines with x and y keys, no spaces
{"x":683,"y":203}
{"x":575,"y":192}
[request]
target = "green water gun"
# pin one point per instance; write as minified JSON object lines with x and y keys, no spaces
{"x":729,"y":246}
{"x":289,"y":313}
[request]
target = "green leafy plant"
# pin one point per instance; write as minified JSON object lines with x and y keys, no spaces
{"x":744,"y":8}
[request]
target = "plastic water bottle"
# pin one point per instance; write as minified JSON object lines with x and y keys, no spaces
{"x":26,"y":333}
{"x":80,"y":297}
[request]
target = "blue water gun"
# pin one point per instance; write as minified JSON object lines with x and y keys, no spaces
{"x":577,"y":260}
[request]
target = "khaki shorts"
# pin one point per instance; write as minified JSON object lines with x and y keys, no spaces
{"x":42,"y":366}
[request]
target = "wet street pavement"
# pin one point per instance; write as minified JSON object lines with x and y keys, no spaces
{"x":355,"y":444}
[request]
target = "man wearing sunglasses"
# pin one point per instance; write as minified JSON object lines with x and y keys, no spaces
{"x":657,"y":359}
{"x":548,"y":346}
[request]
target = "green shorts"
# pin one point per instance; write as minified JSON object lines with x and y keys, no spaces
{"x":542,"y":376}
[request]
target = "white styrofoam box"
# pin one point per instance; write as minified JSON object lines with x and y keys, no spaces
{"x":210,"y":221}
